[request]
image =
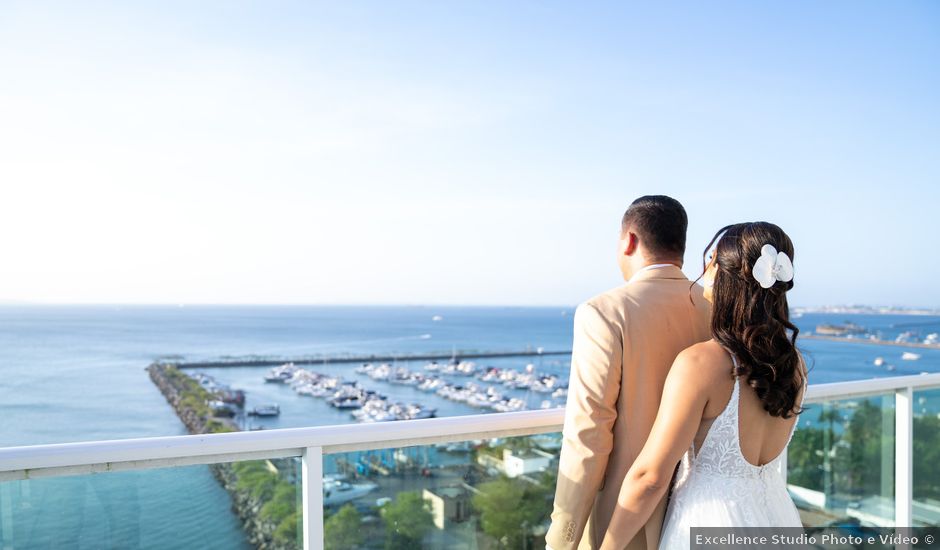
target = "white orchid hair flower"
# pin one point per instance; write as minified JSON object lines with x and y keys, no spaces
{"x":772,"y":266}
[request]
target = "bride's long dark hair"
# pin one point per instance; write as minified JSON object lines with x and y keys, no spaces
{"x":754,"y":322}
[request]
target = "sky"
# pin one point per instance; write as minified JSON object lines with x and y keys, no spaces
{"x":457,"y":152}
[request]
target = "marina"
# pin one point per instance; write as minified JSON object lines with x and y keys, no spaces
{"x":81,"y":346}
{"x":382,"y":391}
{"x":489,"y":388}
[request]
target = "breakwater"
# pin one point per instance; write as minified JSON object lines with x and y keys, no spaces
{"x":263,"y":497}
{"x":869,"y":341}
{"x":251,"y":361}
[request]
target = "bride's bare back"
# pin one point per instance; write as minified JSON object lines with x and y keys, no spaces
{"x":762,"y":436}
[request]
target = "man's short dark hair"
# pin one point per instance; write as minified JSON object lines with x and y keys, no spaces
{"x":661,"y":224}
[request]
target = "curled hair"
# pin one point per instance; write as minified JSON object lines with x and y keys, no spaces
{"x":753,"y":322}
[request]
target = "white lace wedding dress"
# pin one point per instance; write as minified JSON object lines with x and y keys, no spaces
{"x":717,"y":487}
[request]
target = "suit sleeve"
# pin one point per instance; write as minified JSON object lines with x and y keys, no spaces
{"x":593,"y":389}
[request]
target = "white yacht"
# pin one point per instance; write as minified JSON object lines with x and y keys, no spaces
{"x":336,"y":490}
{"x":282,"y":373}
{"x":265,"y":410}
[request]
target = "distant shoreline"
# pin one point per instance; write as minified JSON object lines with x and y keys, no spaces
{"x":869,"y":311}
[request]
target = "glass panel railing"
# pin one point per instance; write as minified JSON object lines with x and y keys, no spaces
{"x":925,"y":507}
{"x":218,"y":506}
{"x":480,"y":493}
{"x":841,"y":463}
{"x":493,"y":493}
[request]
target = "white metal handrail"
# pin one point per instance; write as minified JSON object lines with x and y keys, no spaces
{"x":865,"y":388}
{"x":28,"y":462}
{"x":155,"y":452}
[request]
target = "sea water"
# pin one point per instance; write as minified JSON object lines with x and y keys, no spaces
{"x":76,"y":373}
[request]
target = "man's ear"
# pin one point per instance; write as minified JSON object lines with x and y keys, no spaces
{"x":633,"y":242}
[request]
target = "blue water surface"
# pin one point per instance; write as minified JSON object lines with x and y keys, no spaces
{"x":75,"y":373}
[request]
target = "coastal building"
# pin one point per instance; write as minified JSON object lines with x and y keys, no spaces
{"x":527,"y":462}
{"x":448,"y":505}
{"x":515,"y":463}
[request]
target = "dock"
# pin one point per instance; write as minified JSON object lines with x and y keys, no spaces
{"x":358,"y":358}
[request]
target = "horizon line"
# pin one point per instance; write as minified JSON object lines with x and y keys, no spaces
{"x":26,"y":303}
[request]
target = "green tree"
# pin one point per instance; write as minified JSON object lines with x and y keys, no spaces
{"x":407,"y":519}
{"x":859,"y":451}
{"x":927,"y":457}
{"x":858,"y":466}
{"x":256,"y":479}
{"x":805,"y":459}
{"x":510,"y":508}
{"x":287,"y":531}
{"x":282,"y":505}
{"x":343,"y":530}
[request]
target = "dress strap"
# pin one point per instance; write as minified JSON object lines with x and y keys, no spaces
{"x":735,"y":397}
{"x":732,"y":406}
{"x":734,"y":361}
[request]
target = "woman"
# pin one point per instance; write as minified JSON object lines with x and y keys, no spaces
{"x":729,"y":405}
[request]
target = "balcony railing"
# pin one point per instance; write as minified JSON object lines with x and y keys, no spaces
{"x":312,"y":444}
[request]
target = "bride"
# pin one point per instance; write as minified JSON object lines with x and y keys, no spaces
{"x":729,"y":405}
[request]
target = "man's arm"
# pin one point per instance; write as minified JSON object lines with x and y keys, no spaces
{"x":590,"y":413}
{"x":684,"y":398}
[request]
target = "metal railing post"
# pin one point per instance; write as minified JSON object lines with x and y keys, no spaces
{"x":311,"y":480}
{"x":904,"y":462}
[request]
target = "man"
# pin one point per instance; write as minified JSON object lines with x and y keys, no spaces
{"x":625,"y":341}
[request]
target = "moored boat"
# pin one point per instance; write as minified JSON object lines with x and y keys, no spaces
{"x":336,"y":490}
{"x":266,"y":410}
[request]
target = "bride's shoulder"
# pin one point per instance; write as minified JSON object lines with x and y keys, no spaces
{"x":703,"y":363}
{"x":697,"y":373}
{"x":708,"y":351}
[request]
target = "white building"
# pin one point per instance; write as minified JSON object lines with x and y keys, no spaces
{"x":526,"y":462}
{"x":448,"y":504}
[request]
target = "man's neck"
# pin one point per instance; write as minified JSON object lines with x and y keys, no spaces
{"x":663,"y":260}
{"x":656,"y":263}
{"x":650,"y":266}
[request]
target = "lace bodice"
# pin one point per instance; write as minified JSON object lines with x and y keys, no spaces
{"x":720,"y":453}
{"x":716,"y":486}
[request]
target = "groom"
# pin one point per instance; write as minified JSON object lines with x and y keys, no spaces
{"x":625,"y":341}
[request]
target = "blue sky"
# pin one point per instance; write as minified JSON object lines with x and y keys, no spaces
{"x":465,"y":153}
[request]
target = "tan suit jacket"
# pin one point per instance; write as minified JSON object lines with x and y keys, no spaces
{"x":625,"y":341}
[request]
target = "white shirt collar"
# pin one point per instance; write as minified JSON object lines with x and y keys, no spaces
{"x":649,"y":267}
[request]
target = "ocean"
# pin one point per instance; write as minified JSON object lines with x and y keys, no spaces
{"x":76,"y":373}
